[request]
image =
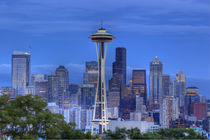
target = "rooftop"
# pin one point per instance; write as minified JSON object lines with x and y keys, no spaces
{"x":20,"y":53}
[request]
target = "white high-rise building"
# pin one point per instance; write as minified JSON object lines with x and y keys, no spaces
{"x":53,"y":107}
{"x":112,"y":112}
{"x":168,"y":111}
{"x":135,"y":116}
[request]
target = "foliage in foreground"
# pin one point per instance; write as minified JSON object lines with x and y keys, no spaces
{"x":27,"y":117}
{"x":135,"y":133}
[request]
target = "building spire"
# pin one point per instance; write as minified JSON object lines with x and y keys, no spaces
{"x":101,"y":24}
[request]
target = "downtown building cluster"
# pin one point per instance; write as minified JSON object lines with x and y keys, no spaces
{"x":165,"y":103}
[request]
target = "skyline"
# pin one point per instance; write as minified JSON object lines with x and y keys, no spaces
{"x":145,"y":29}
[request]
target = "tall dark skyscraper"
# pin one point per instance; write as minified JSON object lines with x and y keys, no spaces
{"x":63,"y":77}
{"x":63,"y":84}
{"x":166,"y":84}
{"x":53,"y":88}
{"x":20,"y":72}
{"x":155,"y":83}
{"x":119,"y":69}
{"x":127,"y":102}
{"x":139,"y":86}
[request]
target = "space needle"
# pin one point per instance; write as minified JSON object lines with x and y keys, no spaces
{"x":101,"y":38}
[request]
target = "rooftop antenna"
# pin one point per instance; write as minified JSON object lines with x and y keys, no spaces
{"x":101,"y":25}
{"x":29,"y":49}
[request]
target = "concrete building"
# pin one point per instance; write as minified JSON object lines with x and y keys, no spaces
{"x":142,"y":125}
{"x":113,"y":112}
{"x":90,"y":76}
{"x":75,"y":94}
{"x":7,"y":91}
{"x":199,"y":110}
{"x":208,"y":107}
{"x":179,"y":90}
{"x":113,"y":99}
{"x":135,"y":116}
{"x":38,"y":77}
{"x":139,"y":86}
{"x":53,"y":107}
{"x":127,"y":102}
{"x":168,"y":111}
{"x":191,"y":96}
{"x":88,"y":92}
{"x":41,"y":89}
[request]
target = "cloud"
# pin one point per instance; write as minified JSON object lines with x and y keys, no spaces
{"x":50,"y":16}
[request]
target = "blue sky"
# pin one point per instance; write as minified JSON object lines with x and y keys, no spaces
{"x":177,"y":31}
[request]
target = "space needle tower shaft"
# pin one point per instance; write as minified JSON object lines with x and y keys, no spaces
{"x":101,"y":38}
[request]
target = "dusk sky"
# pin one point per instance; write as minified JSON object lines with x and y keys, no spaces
{"x":177,"y":31}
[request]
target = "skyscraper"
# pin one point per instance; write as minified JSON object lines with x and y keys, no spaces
{"x":180,"y":87}
{"x":166,"y":84}
{"x":155,"y":83}
{"x":63,"y":77}
{"x":38,"y":77}
{"x":41,"y":89}
{"x":90,"y":76}
{"x":168,"y":110}
{"x":127,"y":102}
{"x":75,"y":94}
{"x":63,"y":83}
{"x":139,"y":86}
{"x":119,"y":69}
{"x":91,"y":66}
{"x":199,"y":110}
{"x":192,"y":96}
{"x":20,"y":72}
{"x":87,"y":95}
{"x":53,"y":88}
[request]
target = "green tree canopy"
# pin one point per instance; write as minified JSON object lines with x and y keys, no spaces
{"x":171,"y":133}
{"x":27,"y":117}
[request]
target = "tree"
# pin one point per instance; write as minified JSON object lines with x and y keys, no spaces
{"x":27,"y":117}
{"x":134,"y":133}
{"x":171,"y":133}
{"x":119,"y":133}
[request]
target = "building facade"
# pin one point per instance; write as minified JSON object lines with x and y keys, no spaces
{"x":41,"y":89}
{"x":139,"y":86}
{"x":63,"y":83}
{"x":87,"y":96}
{"x":168,"y":111}
{"x":118,"y":69}
{"x":155,"y":83}
{"x":21,"y":67}
{"x":191,"y":96}
{"x":166,"y":84}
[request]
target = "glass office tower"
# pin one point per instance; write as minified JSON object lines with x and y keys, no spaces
{"x":20,"y":72}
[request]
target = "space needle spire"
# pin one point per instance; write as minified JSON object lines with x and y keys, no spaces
{"x":101,"y":38}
